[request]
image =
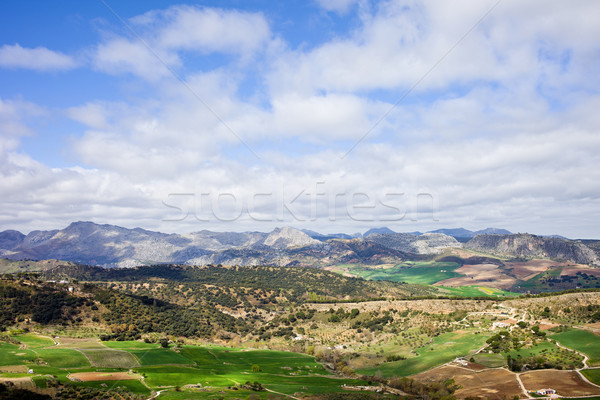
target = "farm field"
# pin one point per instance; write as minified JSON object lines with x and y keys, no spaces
{"x":444,"y":348}
{"x":446,"y":276}
{"x":492,"y":360}
{"x":583,"y":341}
{"x":476,"y":291}
{"x":566,"y":383}
{"x":424,"y":273}
{"x":491,"y":383}
{"x":593,"y":375}
{"x":215,"y":369}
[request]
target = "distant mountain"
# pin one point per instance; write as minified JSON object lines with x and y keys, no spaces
{"x":288,"y":237}
{"x":114,"y":246}
{"x":109,"y":245}
{"x":455,"y":232}
{"x":371,"y":231}
{"x":526,"y":245}
{"x":10,"y":239}
{"x":462,"y":233}
{"x":326,"y":236}
{"x":492,"y":231}
{"x":427,"y":243}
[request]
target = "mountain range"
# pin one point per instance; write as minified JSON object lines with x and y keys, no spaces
{"x":114,"y":246}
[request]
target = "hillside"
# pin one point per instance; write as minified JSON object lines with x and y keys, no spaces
{"x":114,"y":246}
{"x":427,"y":243}
{"x":531,"y":246}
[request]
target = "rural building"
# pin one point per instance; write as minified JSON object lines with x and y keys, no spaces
{"x":544,"y":392}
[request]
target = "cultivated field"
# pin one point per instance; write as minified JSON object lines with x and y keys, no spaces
{"x":566,"y":383}
{"x":102,"y":376}
{"x":489,"y":383}
{"x":443,"y":349}
{"x":583,"y":341}
{"x":203,"y":371}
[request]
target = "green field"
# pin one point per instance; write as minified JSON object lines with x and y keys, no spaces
{"x":63,"y":358}
{"x":476,"y":291}
{"x":216,"y":368}
{"x":424,"y":273}
{"x":13,"y":355}
{"x":32,"y":340}
{"x":490,"y":360}
{"x":444,"y":348}
{"x":583,"y":341}
{"x":159,"y":357}
{"x":131,"y":344}
{"x":593,"y":375}
{"x":111,"y":358}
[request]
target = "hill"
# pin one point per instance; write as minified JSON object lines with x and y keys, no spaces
{"x":530,"y":246}
{"x":427,"y":243}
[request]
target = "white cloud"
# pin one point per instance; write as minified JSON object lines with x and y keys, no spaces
{"x":338,"y":6}
{"x":162,"y":36}
{"x":39,"y":58}
{"x":124,"y":56}
{"x":503,"y":131}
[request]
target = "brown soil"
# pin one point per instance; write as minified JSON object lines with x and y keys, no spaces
{"x":487,"y":383}
{"x":102,"y":376}
{"x":14,"y":369}
{"x":566,"y":383}
{"x":480,"y":274}
{"x":529,"y":269}
{"x":19,"y":382}
{"x":583,"y":269}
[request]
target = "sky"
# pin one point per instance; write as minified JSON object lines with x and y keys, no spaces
{"x":329,"y":115}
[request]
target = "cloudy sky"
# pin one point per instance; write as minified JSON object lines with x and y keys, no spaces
{"x":331,"y":115}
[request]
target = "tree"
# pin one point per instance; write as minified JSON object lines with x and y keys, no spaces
{"x":164,"y":343}
{"x":255,"y":368}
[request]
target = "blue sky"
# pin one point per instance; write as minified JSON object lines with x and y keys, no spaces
{"x":333,"y":115}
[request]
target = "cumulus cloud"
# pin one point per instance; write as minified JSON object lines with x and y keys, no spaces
{"x":503,"y":131}
{"x":162,"y":36}
{"x":39,"y":58}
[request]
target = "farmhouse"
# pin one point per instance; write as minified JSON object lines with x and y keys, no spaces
{"x":544,"y":392}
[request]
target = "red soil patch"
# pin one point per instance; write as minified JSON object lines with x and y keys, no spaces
{"x":102,"y":376}
{"x":566,"y":383}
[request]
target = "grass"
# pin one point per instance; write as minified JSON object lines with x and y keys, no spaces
{"x":534,"y":351}
{"x":111,"y":358}
{"x":582,"y":341}
{"x":444,"y":348}
{"x":418,"y":272}
{"x":490,"y":360}
{"x":130,"y":344}
{"x":63,"y":358}
{"x":33,"y":341}
{"x":476,"y":291}
{"x":215,"y":368}
{"x":13,"y":355}
{"x":593,"y":375}
{"x":160,"y":357}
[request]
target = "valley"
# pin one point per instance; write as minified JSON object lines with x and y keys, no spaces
{"x":371,"y":320}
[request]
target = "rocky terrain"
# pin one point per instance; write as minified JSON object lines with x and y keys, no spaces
{"x":427,"y":243}
{"x":529,"y":246}
{"x":114,"y":246}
